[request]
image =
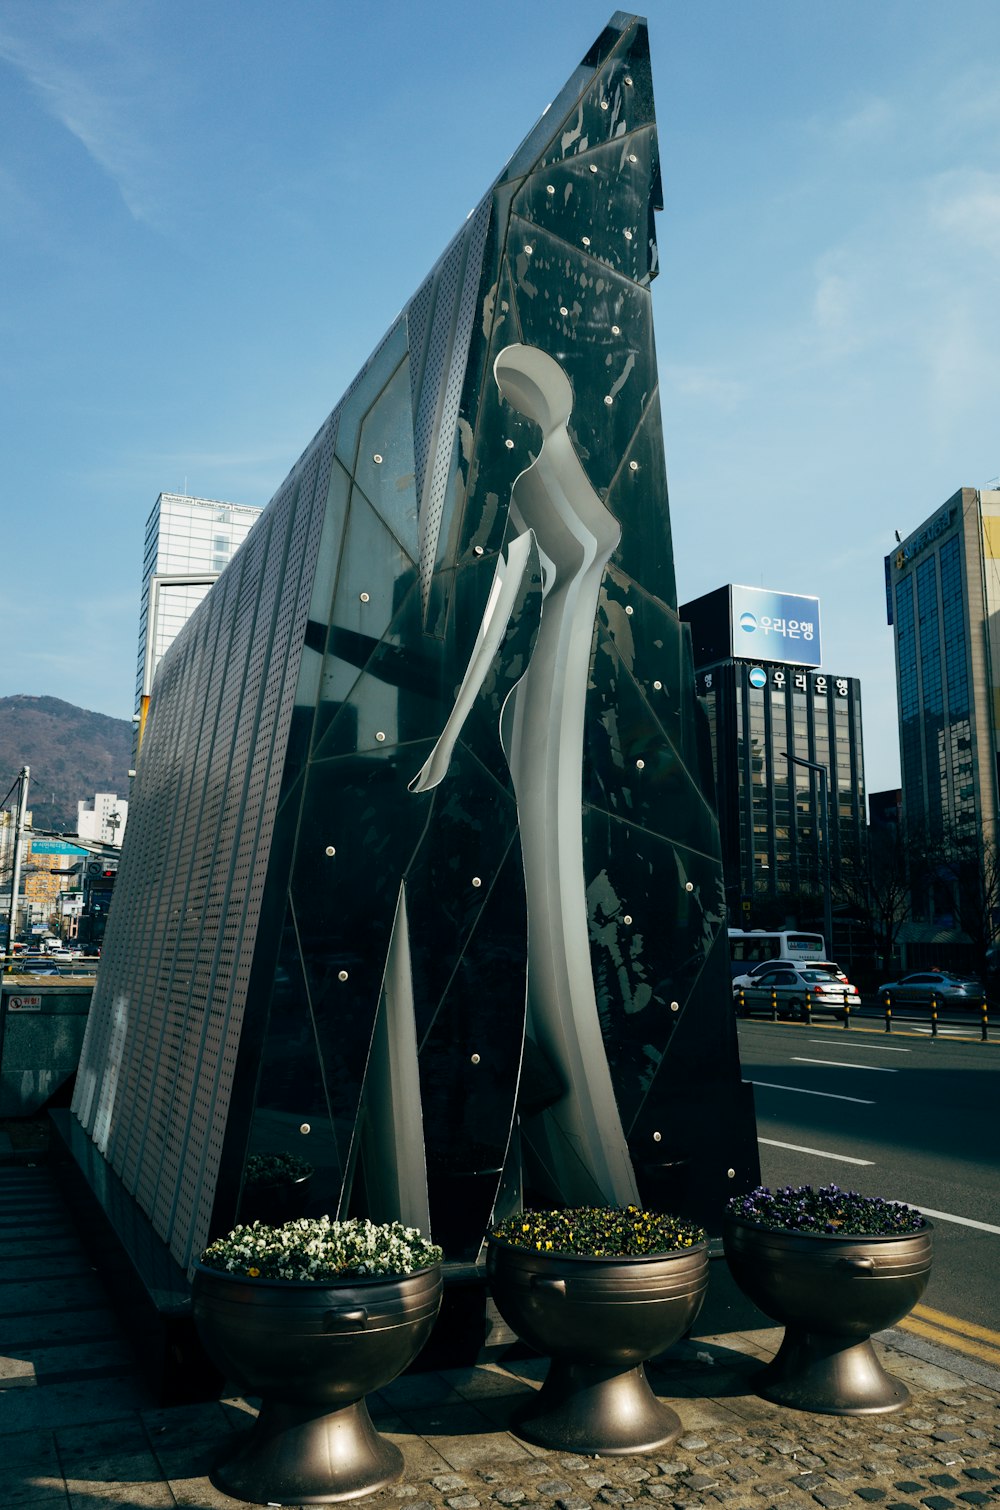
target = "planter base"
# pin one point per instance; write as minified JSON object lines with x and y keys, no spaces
{"x":836,"y":1376}
{"x":294,"y":1456}
{"x":588,"y":1409}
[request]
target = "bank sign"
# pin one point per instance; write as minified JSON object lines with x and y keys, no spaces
{"x":774,"y":626}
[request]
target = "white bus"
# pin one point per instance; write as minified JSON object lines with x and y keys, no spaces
{"x":755,"y":945}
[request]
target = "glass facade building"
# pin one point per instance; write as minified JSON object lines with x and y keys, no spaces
{"x":760,"y":712}
{"x":943,"y":599}
{"x":439,"y":707}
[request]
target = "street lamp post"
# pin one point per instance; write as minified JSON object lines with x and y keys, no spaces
{"x":824,"y":802}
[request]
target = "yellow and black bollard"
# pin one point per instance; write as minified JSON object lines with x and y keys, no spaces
{"x":934,"y":1014}
{"x":986,"y":1021}
{"x":774,"y":1005}
{"x":887,"y":999}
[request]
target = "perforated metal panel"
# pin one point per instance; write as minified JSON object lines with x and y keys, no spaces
{"x":444,"y":373}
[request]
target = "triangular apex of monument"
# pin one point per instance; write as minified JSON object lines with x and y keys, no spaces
{"x":621,"y":31}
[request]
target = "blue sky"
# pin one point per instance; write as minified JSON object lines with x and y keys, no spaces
{"x":209,"y":213}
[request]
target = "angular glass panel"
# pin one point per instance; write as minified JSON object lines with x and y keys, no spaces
{"x":468,"y":958}
{"x":604,"y":341}
{"x":470,"y":824}
{"x":291,"y":1094}
{"x":365,"y":389}
{"x":505,"y":442}
{"x":603,"y":195}
{"x":648,"y":638}
{"x":638,"y":499}
{"x":618,"y":101}
{"x":374,"y":579}
{"x":631,"y":768}
{"x":651,"y":939}
{"x":385,"y":461}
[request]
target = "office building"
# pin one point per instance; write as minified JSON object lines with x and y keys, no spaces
{"x":943,"y":601}
{"x":189,"y":542}
{"x":758,"y":665}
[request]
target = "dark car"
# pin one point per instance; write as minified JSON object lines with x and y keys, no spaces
{"x":923,"y":985}
{"x":792,"y":988}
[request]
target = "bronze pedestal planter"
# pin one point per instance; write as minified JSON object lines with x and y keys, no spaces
{"x":830,"y":1292}
{"x":312,"y":1351}
{"x":599,"y":1320}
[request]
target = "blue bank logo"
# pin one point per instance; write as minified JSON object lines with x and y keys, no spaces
{"x":758,"y":676}
{"x":748,"y":622}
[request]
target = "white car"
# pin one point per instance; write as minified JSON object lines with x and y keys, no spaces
{"x":751,"y":975}
{"x":796,"y":991}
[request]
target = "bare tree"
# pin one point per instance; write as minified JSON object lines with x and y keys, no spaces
{"x":970,"y":866}
{"x":876,"y":888}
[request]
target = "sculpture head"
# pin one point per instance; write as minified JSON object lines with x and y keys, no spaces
{"x":535,"y":385}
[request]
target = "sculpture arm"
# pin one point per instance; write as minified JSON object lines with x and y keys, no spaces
{"x":499,"y":607}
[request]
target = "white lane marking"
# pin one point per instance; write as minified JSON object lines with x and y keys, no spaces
{"x":945,"y":1216}
{"x":827,"y":1095}
{"x":883,"y":1048}
{"x":842,"y":1064}
{"x":820,"y":1153}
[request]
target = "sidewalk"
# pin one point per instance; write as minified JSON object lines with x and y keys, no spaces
{"x":78,"y":1428}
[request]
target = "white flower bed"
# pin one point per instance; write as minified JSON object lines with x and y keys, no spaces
{"x":322,"y":1250}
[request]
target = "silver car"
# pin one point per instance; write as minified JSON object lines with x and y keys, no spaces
{"x":791,"y":990}
{"x":922,"y":985}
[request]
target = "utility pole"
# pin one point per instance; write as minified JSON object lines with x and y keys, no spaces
{"x":15,"y":880}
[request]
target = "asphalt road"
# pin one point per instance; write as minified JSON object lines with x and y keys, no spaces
{"x":900,"y":1115}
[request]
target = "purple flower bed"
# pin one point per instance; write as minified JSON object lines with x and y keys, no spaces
{"x":828,"y":1210}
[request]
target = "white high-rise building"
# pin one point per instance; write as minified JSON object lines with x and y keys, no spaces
{"x":189,"y":542}
{"x":104,"y":822}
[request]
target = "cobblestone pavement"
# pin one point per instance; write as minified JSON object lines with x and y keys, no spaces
{"x":78,"y":1430}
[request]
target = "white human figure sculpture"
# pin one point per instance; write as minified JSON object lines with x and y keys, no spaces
{"x":541,"y":730}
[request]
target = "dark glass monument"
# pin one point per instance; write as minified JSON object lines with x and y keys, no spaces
{"x":422,"y":880}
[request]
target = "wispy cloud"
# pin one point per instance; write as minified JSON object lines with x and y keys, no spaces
{"x":965,"y":203}
{"x":701,"y":382}
{"x":75,"y":65}
{"x":867,"y":123}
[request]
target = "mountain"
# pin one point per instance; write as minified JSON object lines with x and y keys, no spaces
{"x":72,"y":754}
